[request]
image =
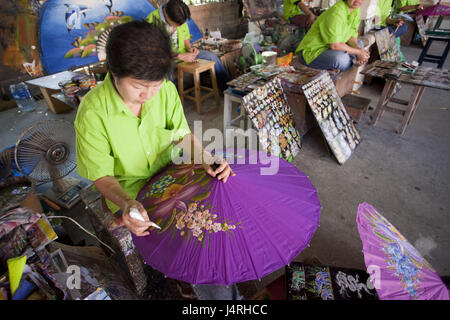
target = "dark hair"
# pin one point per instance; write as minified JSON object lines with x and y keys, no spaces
{"x":140,"y":50}
{"x":178,"y":11}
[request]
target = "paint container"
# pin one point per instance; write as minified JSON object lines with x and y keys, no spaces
{"x":269,"y":57}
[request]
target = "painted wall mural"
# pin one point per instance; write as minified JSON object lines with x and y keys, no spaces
{"x":19,"y":47}
{"x":42,"y":37}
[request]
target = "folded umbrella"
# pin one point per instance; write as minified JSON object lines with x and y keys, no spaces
{"x":224,"y":233}
{"x":399,"y":270}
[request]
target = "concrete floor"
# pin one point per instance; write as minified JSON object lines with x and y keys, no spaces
{"x":405,"y":177}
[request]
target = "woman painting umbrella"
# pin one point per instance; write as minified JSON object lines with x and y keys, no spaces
{"x":126,"y":126}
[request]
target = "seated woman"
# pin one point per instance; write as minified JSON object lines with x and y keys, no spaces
{"x":298,"y":13}
{"x":174,"y":15}
{"x":332,"y":43}
{"x":126,"y":127}
{"x":396,"y":26}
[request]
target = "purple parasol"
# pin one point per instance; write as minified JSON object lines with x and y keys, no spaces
{"x":224,"y":233}
{"x":436,"y":10}
{"x":397,"y":269}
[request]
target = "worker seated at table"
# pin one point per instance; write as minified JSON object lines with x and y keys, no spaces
{"x":298,"y":13}
{"x":396,"y":26}
{"x":332,"y":43}
{"x":174,"y":15}
{"x":407,"y":6}
{"x":126,"y":127}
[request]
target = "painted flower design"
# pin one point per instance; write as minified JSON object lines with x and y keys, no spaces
{"x":200,"y":223}
{"x":181,"y":184}
{"x":161,"y":185}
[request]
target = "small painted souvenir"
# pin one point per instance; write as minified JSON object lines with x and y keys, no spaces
{"x":334,"y":130}
{"x":338,"y":123}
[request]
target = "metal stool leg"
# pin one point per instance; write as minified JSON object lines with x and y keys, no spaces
{"x":444,"y":55}
{"x":424,"y":51}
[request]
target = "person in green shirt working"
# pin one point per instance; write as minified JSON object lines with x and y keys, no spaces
{"x":332,"y":43}
{"x":126,"y":127}
{"x":174,"y":15}
{"x":396,"y":26}
{"x":298,"y":13}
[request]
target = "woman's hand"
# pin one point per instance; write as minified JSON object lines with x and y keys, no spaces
{"x":311,"y":18}
{"x":139,"y":228}
{"x":194,"y":51}
{"x":222,"y":172}
{"x":187,"y":57}
{"x":362,"y":56}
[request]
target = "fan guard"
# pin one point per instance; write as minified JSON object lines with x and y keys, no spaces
{"x":101,"y":44}
{"x":5,"y":163}
{"x":45,"y":151}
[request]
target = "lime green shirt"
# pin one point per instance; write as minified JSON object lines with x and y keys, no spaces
{"x":183,"y":31}
{"x":337,"y":24}
{"x":402,"y":3}
{"x":383,"y":10}
{"x":112,"y":141}
{"x":291,"y":9}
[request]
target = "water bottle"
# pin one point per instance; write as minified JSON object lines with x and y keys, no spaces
{"x":23,"y":97}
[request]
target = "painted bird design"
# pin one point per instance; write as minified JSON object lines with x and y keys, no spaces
{"x":74,"y":16}
{"x":108,"y":4}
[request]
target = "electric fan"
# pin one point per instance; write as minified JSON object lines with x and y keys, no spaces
{"x":45,"y":152}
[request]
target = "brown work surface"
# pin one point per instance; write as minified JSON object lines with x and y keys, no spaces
{"x":199,"y":66}
{"x":423,"y":76}
{"x":49,"y":86}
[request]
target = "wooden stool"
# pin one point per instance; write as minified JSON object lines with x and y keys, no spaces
{"x":196,"y":68}
{"x":387,"y":96}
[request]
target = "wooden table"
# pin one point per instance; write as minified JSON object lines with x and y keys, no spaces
{"x":49,"y":87}
{"x":421,"y":78}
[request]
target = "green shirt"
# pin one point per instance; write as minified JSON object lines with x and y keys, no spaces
{"x":383,"y":10}
{"x":112,"y":141}
{"x":403,"y":3}
{"x":337,"y":24}
{"x":183,"y":31}
{"x":291,"y":9}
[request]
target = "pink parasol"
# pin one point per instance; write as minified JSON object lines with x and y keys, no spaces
{"x":398,"y":270}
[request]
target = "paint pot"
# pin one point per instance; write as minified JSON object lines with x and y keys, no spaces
{"x":70,"y":90}
{"x":269,"y":57}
